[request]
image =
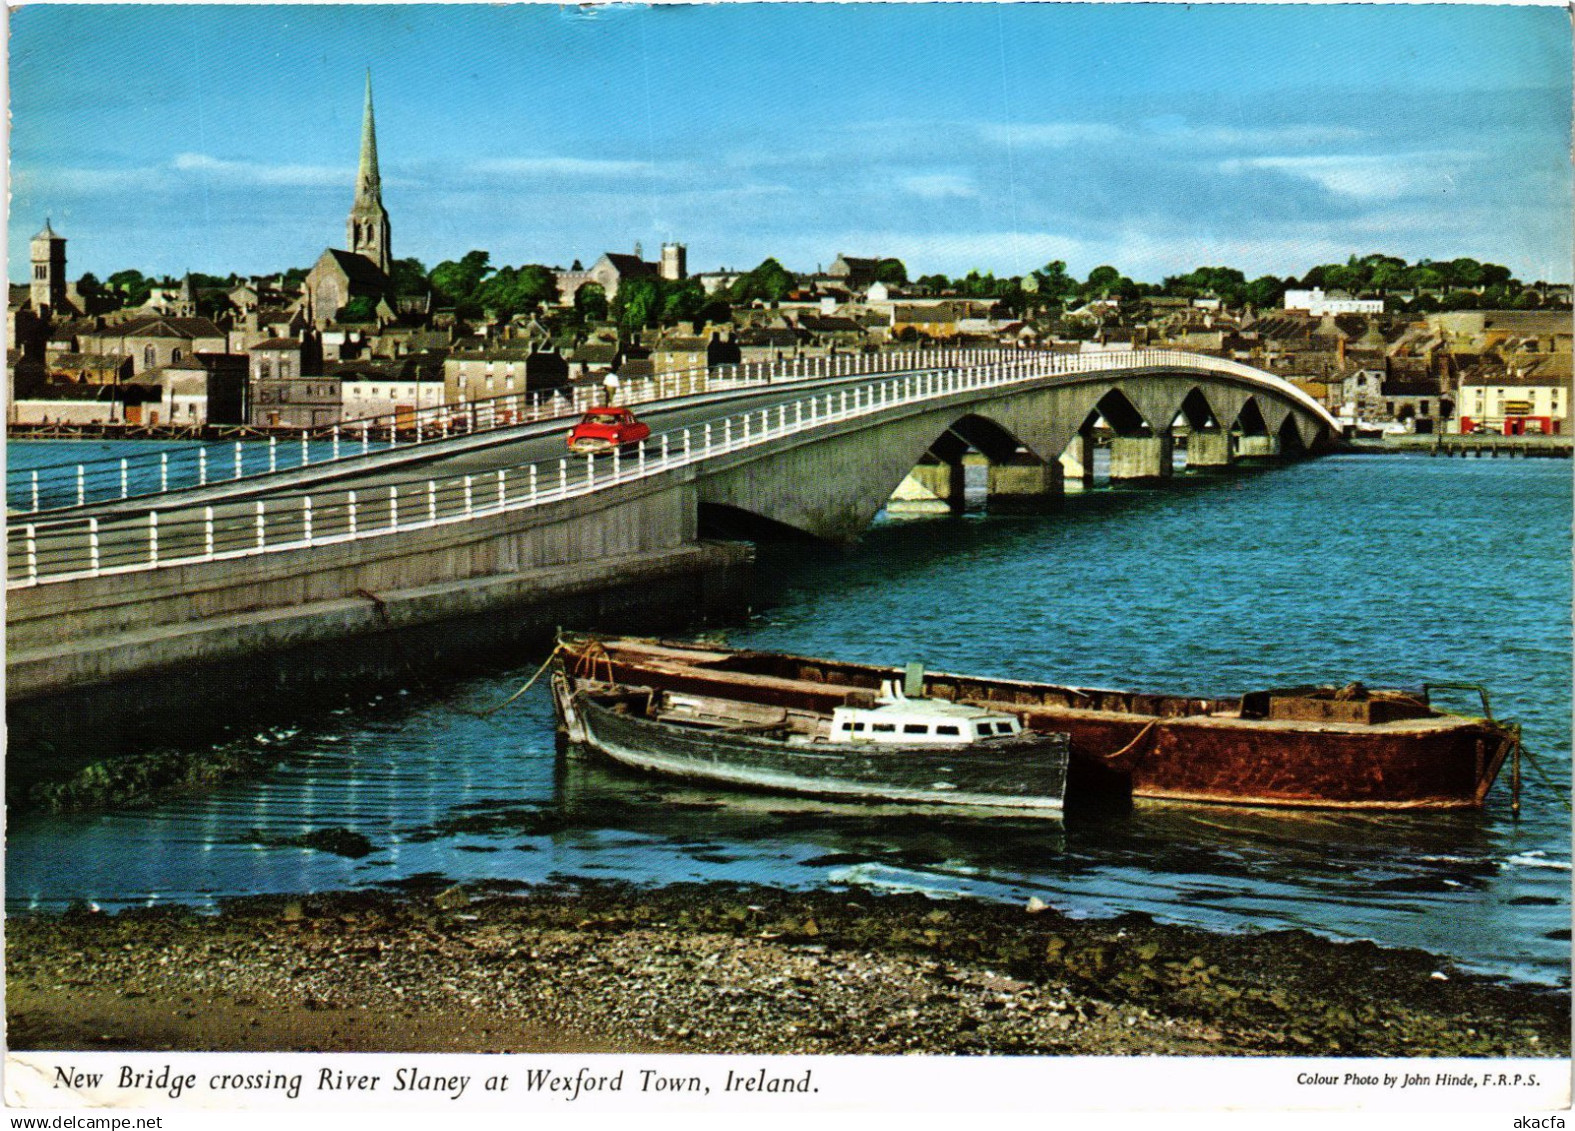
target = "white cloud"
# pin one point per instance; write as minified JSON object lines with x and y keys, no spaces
{"x":255,"y":173}
{"x":1367,"y":177}
{"x":938,"y":186}
{"x":1049,"y":134}
{"x":565,"y":167}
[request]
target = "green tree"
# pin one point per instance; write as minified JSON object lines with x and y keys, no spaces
{"x":409,"y":277}
{"x":590,"y":303}
{"x":934,"y":284}
{"x":361,"y":308}
{"x":456,"y":282}
{"x":638,"y":303}
{"x":1055,"y":285}
{"x":891,"y":271}
{"x":770,"y":282}
{"x":1264,"y":292}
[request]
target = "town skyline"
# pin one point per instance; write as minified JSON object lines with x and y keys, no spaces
{"x":750,"y":157}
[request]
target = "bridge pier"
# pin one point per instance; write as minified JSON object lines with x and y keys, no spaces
{"x":1077,"y":462}
{"x":1254,"y":446}
{"x":930,"y":488}
{"x":1024,"y":484}
{"x":1209,"y":448}
{"x":1141,"y":457}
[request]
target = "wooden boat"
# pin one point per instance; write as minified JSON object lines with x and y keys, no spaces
{"x":877,"y":745}
{"x":1305,"y":746}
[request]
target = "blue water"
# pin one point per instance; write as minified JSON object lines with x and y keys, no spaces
{"x":150,"y":466}
{"x":1388,"y":569}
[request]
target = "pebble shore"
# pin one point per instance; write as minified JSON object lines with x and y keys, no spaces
{"x":726,"y":969}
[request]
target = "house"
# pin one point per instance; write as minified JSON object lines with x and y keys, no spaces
{"x":494,"y":370}
{"x":1316,"y":303}
{"x":1517,"y":402}
{"x":154,"y":341}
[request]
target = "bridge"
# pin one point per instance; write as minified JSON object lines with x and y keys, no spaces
{"x":437,"y":537}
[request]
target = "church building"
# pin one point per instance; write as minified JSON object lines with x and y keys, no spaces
{"x":340,"y":276}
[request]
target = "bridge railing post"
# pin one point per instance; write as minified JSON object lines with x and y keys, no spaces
{"x":664,"y":450}
{"x":35,"y":492}
{"x":503,"y":492}
{"x":590,"y":471}
{"x":350,"y":514}
{"x":306,"y":451}
{"x":240,"y":461}
{"x":273,"y":454}
{"x":470,"y":499}
{"x":81,"y":484}
{"x":431,"y":502}
{"x":260,"y":525}
{"x":306,"y":519}
{"x":393,"y":507}
{"x":93,"y":559}
{"x":153,"y":538}
{"x":563,"y":478}
{"x":687,"y":450}
{"x":336,"y":441}
{"x":207,"y":532}
{"x":125,"y":478}
{"x":32,"y":554}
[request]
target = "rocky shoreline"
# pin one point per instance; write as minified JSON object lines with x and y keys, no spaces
{"x":720,"y":968}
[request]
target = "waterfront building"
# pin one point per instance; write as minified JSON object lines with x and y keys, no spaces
{"x":1517,"y":402}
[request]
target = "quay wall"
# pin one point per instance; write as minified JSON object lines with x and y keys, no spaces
{"x":96,"y":699}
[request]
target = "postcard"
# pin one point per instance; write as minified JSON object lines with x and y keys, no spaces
{"x":792,"y":560}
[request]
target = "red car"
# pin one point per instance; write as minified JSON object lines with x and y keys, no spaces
{"x":603,"y":429}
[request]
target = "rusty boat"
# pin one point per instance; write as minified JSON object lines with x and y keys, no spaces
{"x":1338,"y":747}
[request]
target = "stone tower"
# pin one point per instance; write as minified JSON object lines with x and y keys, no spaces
{"x":49,"y":272}
{"x":366,"y":231}
{"x":674,"y":261}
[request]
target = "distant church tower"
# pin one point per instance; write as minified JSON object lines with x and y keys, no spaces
{"x":366,"y":231}
{"x":49,"y":272}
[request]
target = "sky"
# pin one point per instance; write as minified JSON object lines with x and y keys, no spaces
{"x":995,"y":137}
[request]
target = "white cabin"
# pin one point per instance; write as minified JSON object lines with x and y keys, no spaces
{"x":919,"y":722}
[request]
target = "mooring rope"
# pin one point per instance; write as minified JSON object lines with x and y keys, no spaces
{"x":490,"y":711}
{"x":1543,"y":774}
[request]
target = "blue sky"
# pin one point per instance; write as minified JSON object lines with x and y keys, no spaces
{"x":956,"y":136}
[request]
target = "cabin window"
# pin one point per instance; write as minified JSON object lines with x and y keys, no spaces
{"x":858,"y":728}
{"x":985,"y":730}
{"x":883,"y":728}
{"x":947,"y":730}
{"x":847,"y":726}
{"x":915,"y":728}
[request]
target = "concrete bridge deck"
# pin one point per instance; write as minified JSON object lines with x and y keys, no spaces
{"x":97,"y":598}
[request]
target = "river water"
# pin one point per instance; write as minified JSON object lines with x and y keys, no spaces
{"x":1394,"y":570}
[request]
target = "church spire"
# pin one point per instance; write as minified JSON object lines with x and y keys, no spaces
{"x":367,"y":183}
{"x":367,"y":229}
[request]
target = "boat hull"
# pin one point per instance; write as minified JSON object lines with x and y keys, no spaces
{"x":1159,"y":747}
{"x":1025,"y":773}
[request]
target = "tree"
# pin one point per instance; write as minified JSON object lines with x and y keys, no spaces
{"x":361,"y":308}
{"x":934,"y":284}
{"x":456,"y":282}
{"x":638,"y":303}
{"x":590,"y":303}
{"x":1055,"y":285}
{"x":1264,"y":292}
{"x":1102,"y":282}
{"x":409,"y":276}
{"x":769,"y":282}
{"x":891,"y":271}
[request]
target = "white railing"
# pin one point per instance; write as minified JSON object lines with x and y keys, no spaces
{"x":58,"y":487}
{"x":56,"y":550}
